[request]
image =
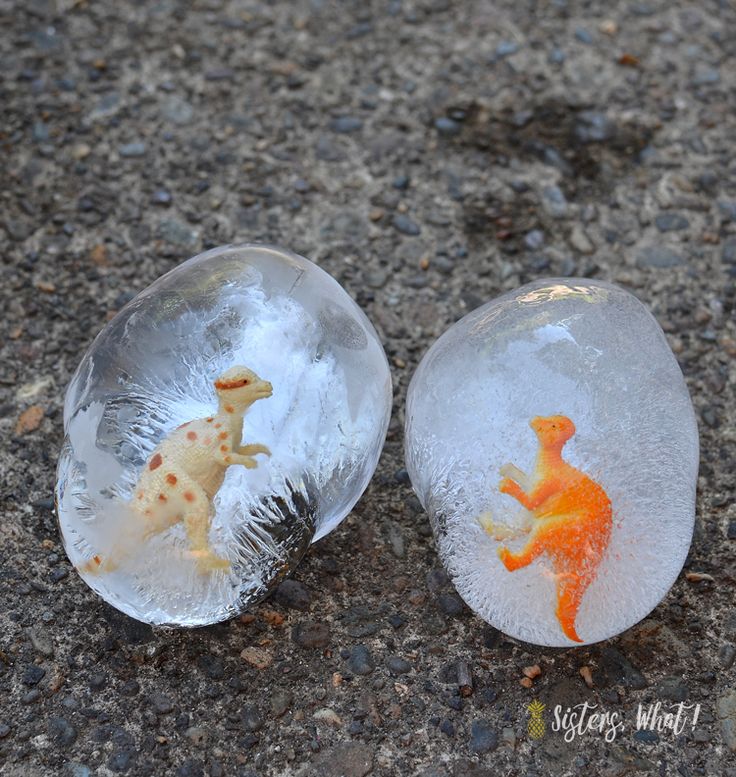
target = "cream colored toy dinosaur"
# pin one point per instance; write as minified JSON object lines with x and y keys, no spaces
{"x":185,"y":471}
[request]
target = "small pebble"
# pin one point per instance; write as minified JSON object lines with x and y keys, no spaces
{"x":161,"y":703}
{"x":483,"y":739}
{"x":534,"y":239}
{"x":361,"y":660}
{"x":554,"y":201}
{"x":583,"y":35}
{"x":657,"y":256}
{"x":293,"y":594}
{"x":728,"y":254}
{"x":398,"y":665}
{"x":311,"y":634}
{"x":33,"y":674}
{"x":405,"y":225}
{"x":251,"y":718}
{"x":161,"y":197}
{"x":281,"y":700}
{"x":62,"y":732}
{"x":346,"y":124}
{"x":447,"y":127}
{"x":506,"y":48}
{"x":671,"y":222}
{"x":257,"y":657}
{"x":130,"y":150}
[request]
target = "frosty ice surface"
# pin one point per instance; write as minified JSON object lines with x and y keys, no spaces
{"x":269,"y":348}
{"x":556,"y":546}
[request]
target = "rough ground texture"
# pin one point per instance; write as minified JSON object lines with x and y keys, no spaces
{"x":430,"y":155}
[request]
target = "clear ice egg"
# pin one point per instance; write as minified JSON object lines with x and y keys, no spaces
{"x":227,"y":417}
{"x":551,"y":439}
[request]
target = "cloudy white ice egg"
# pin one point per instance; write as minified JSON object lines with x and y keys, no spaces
{"x":582,"y":351}
{"x":153,"y":368}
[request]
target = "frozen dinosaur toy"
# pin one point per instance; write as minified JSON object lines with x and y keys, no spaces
{"x":570,"y":519}
{"x":185,"y":471}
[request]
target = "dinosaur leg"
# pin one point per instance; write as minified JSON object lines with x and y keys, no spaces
{"x":570,"y":590}
{"x":197,"y":525}
{"x":513,"y":561}
{"x":512,"y":472}
{"x":253,"y":449}
{"x":502,"y":531}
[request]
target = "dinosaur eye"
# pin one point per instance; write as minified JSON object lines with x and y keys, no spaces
{"x":246,"y":382}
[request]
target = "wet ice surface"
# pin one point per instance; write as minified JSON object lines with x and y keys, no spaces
{"x":152,"y":369}
{"x":589,"y":351}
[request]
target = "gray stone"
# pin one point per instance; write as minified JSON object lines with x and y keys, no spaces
{"x":134,"y":149}
{"x":594,"y":127}
{"x":727,"y":655}
{"x":556,"y":56}
{"x":177,"y":110}
{"x":360,"y":661}
{"x":672,"y":688}
{"x":251,"y":718}
{"x":619,"y":670}
{"x":657,"y":256}
{"x":706,"y":76}
{"x":161,"y":197}
{"x":451,"y":604}
{"x":447,"y":127}
{"x":40,"y":132}
{"x":173,"y":231}
{"x":41,"y":641}
{"x":347,"y":759}
{"x":161,"y":703}
{"x":61,"y":732}
{"x":197,"y":735}
{"x":534,"y":239}
{"x":294,"y":595}
{"x":580,"y":241}
{"x":483,"y":738}
{"x":405,"y":225}
{"x":376,"y":279}
{"x":396,"y":539}
{"x":727,"y":209}
{"x":346,"y":124}
{"x":728,"y":253}
{"x":397,"y":665}
{"x":671,"y":222}
{"x":583,"y":35}
{"x":554,"y":201}
{"x":281,"y":700}
{"x":506,"y":48}
{"x":328,"y":151}
{"x":33,"y":674}
{"x":726,"y":712}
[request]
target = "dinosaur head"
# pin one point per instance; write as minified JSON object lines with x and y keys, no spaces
{"x":554,"y":430}
{"x":241,"y":387}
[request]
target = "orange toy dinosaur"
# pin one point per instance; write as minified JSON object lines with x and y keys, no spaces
{"x":571,"y":518}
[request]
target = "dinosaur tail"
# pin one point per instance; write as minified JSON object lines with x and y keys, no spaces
{"x":569,"y":596}
{"x":568,"y":628}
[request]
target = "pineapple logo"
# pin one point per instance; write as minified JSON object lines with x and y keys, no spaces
{"x":535,"y":727}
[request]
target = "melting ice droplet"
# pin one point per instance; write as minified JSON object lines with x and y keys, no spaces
{"x":551,"y":438}
{"x":229,"y":415}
